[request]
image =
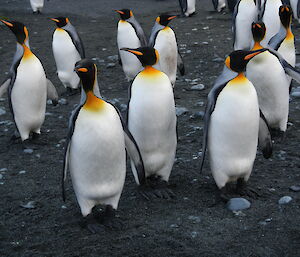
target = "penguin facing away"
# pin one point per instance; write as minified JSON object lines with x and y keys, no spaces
{"x":26,"y":85}
{"x":163,"y":39}
{"x":295,"y":5}
{"x":95,"y":154}
{"x":130,"y":34}
{"x":232,"y":125}
{"x":267,"y":72}
{"x":152,"y":122}
{"x":187,"y":7}
{"x":245,"y":12}
{"x":37,"y":6}
{"x":67,"y":49}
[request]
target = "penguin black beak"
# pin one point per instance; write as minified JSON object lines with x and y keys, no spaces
{"x":53,"y":19}
{"x":253,"y":53}
{"x":120,"y":12}
{"x":132,"y":51}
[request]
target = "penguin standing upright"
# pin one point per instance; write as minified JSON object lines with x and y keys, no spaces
{"x":295,"y":5}
{"x":270,"y":17}
{"x":163,"y":39}
{"x":27,"y":89}
{"x":130,"y":34}
{"x":37,"y":6}
{"x":152,"y":120}
{"x":267,"y":72}
{"x":67,"y":50}
{"x":233,"y":125}
{"x":284,"y":41}
{"x":187,"y":7}
{"x":95,"y":153}
{"x":245,"y":12}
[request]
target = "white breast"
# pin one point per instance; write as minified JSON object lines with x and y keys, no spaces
{"x":127,"y":38}
{"x":97,"y":158}
{"x":233,"y":133}
{"x":66,"y":55}
{"x":166,"y":46}
{"x":37,"y":5}
{"x":152,"y":122}
{"x":29,"y":95}
{"x":270,"y":81}
{"x":190,"y":7}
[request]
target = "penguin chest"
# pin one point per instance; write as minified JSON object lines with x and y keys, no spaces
{"x":233,"y":130}
{"x":97,"y":154}
{"x":29,"y":93}
{"x":37,"y":4}
{"x":166,"y":46}
{"x":287,"y":50}
{"x":128,"y":38}
{"x":65,"y":55}
{"x":190,"y":7}
{"x":152,"y":121}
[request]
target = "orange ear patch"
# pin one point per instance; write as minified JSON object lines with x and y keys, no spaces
{"x":56,"y":20}
{"x":135,"y":52}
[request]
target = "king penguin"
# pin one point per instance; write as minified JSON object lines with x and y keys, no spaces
{"x":270,"y":16}
{"x":245,"y":12}
{"x":95,"y":154}
{"x":232,"y":125}
{"x":67,"y":50}
{"x":187,"y":7}
{"x":131,"y":35}
{"x":27,"y":86}
{"x":267,"y":72}
{"x":163,"y":39}
{"x":37,"y":6}
{"x":295,"y":5}
{"x":152,"y":121}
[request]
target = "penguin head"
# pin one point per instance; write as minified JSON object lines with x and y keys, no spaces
{"x":60,"y":21}
{"x":285,"y":14}
{"x":86,"y":70}
{"x":164,"y":19}
{"x":148,"y":56}
{"x":125,"y":14}
{"x":19,"y":29}
{"x":258,"y":31}
{"x":238,"y":60}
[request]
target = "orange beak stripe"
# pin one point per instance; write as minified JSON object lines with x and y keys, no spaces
{"x":249,"y":56}
{"x":258,"y":25}
{"x":83,"y":69}
{"x":119,"y":11}
{"x":7,"y":23}
{"x":172,"y":17}
{"x":135,"y":52}
{"x":56,"y":20}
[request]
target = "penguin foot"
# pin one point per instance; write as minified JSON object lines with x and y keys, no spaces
{"x":14,"y":138}
{"x":156,"y":188}
{"x":90,"y":223}
{"x":276,"y":133}
{"x":243,"y":190}
{"x":108,"y":218}
{"x":71,"y":92}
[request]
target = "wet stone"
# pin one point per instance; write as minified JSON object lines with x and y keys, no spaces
{"x":295,"y":188}
{"x":1,"y":176}
{"x":22,"y":171}
{"x":197,"y":115}
{"x":194,"y":219}
{"x":28,"y":151}
{"x":110,"y":65}
{"x":3,"y":169}
{"x":63,"y":101}
{"x":113,"y":58}
{"x":29,"y":205}
{"x":236,"y":204}
{"x":2,"y":111}
{"x":198,"y":87}
{"x":296,"y":94}
{"x":181,"y":110}
{"x":285,"y":200}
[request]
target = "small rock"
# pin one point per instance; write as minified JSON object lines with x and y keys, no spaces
{"x":218,"y":59}
{"x":174,"y":226}
{"x":296,"y":94}
{"x":198,"y":87}
{"x":48,"y":114}
{"x":3,"y":169}
{"x":113,"y":58}
{"x":1,"y":176}
{"x":236,"y":204}
{"x":285,"y":199}
{"x":181,"y":110}
{"x":194,"y":219}
{"x":22,"y":171}
{"x":194,"y":234}
{"x":2,"y":111}
{"x":29,"y":205}
{"x":38,"y":155}
{"x":28,"y":150}
{"x":110,"y":65}
{"x":63,"y":101}
{"x":295,"y":188}
{"x":49,"y":101}
{"x":64,"y":207}
{"x":197,"y":115}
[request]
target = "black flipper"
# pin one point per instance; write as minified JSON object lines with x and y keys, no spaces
{"x":235,"y":12}
{"x":277,"y":39}
{"x":71,"y":128}
{"x":4,"y":86}
{"x":220,"y":83}
{"x":264,"y":137}
{"x":180,"y":64}
{"x":133,"y":151}
{"x":75,"y":39}
{"x":51,"y":92}
{"x":138,"y":30}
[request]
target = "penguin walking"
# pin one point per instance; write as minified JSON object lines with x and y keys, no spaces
{"x":152,"y":122}
{"x":37,"y":6}
{"x":270,"y":16}
{"x":130,"y":34}
{"x":67,"y":49}
{"x":245,"y":13}
{"x":95,"y":154}
{"x":233,"y":124}
{"x":187,"y":7}
{"x":267,"y":72}
{"x":163,"y":39}
{"x":27,"y":85}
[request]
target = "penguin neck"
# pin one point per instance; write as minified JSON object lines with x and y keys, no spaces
{"x":257,"y":46}
{"x":240,"y":78}
{"x":93,"y":103}
{"x":289,"y":34}
{"x":149,"y":70}
{"x":26,"y":51}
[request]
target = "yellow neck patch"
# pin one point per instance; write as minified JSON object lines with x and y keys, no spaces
{"x":149,"y":71}
{"x":27,"y":52}
{"x":239,"y":79}
{"x":289,"y":35}
{"x":93,"y":103}
{"x":256,"y":46}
